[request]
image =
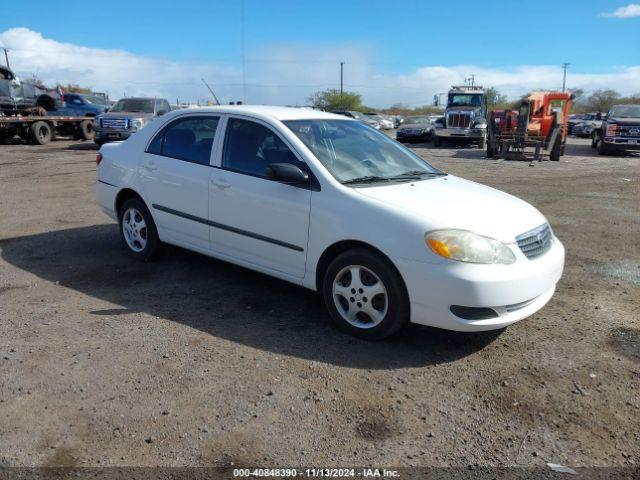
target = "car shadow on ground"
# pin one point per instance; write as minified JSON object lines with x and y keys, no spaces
{"x":222,"y":300}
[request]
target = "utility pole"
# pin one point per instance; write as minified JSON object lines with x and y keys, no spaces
{"x":6,"y":57}
{"x":244,"y":70}
{"x":564,"y":75}
{"x":341,"y":78}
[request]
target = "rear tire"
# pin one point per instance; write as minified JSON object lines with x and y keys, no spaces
{"x":40,"y":133}
{"x":138,"y":231}
{"x":554,"y":155}
{"x":365,"y":294}
{"x":85,"y":130}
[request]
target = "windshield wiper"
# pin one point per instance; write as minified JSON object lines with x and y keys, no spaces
{"x":366,"y":179}
{"x":417,"y":174}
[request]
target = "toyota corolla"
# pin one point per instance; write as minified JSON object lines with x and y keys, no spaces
{"x":331,"y":204}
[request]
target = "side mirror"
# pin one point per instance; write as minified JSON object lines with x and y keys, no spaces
{"x":106,"y":110}
{"x":287,"y":173}
{"x":161,"y":112}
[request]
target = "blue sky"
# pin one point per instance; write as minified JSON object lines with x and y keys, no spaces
{"x":299,"y":43}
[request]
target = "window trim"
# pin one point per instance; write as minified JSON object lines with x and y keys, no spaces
{"x":162,"y":130}
{"x":314,"y":184}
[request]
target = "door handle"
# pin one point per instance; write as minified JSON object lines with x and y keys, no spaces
{"x":221,"y":184}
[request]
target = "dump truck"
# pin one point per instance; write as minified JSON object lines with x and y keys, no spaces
{"x":537,"y":130}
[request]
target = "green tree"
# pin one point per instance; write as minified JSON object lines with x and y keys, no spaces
{"x":332,"y":99}
{"x":602,"y":100}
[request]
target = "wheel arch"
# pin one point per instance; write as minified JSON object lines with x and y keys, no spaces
{"x":124,"y":195}
{"x":337,"y":248}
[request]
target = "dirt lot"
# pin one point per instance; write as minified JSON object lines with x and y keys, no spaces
{"x":192,"y":361}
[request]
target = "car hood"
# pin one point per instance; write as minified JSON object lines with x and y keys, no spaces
{"x":127,"y":115}
{"x":413,"y":126}
{"x":452,"y":202}
{"x":624,"y":120}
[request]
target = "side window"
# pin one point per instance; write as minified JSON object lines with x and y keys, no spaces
{"x":188,"y":139}
{"x":250,"y":148}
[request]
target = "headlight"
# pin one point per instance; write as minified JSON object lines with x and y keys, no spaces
{"x":465,"y":246}
{"x":611,"y":130}
{"x":136,"y":124}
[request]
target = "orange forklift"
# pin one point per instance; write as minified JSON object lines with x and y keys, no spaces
{"x":536,"y":131}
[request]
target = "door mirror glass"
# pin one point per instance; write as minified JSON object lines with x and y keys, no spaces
{"x":287,"y":172}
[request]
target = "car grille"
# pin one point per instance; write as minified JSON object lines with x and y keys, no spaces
{"x":535,"y":242}
{"x":115,"y":123}
{"x":628,"y":131}
{"x":459,"y":120}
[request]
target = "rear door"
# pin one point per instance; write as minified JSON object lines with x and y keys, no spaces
{"x":256,"y":220}
{"x":175,"y":174}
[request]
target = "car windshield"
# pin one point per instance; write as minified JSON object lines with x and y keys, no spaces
{"x":625,"y":111}
{"x":134,"y":105}
{"x":94,"y":99}
{"x":465,"y":100}
{"x":415,"y":120}
{"x":354,"y":152}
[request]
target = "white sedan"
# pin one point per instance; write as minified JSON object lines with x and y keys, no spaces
{"x":331,"y":204}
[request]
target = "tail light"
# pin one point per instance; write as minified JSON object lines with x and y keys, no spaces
{"x":98,"y":158}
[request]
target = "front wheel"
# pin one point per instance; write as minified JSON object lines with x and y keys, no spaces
{"x":365,"y":294}
{"x":602,"y":148}
{"x":138,"y":230}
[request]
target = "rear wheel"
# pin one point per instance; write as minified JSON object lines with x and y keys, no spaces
{"x":365,"y":294}
{"x":85,"y":130}
{"x":138,"y":230}
{"x":40,"y":133}
{"x":554,"y":155}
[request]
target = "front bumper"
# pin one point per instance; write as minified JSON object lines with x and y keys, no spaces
{"x":412,"y":137}
{"x":111,"y":135}
{"x":514,"y":291}
{"x":471,"y":133}
{"x":622,"y":143}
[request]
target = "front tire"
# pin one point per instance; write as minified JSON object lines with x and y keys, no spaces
{"x":602,"y":148}
{"x":365,"y":294}
{"x":138,"y":231}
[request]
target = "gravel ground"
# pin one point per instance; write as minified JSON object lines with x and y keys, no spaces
{"x":191,"y":361}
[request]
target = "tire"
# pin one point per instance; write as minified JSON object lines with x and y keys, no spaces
{"x":140,"y":236}
{"x":481,"y":143}
{"x":437,"y":141}
{"x":594,"y":140}
{"x":85,"y":130}
{"x":375,"y":317}
{"x":554,"y":155}
{"x":491,"y":150}
{"x":40,"y":133}
{"x":602,"y":148}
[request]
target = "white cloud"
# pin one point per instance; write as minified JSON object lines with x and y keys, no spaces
{"x":631,"y":10}
{"x":288,"y":75}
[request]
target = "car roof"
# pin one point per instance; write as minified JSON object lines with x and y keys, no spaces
{"x":278,"y":113}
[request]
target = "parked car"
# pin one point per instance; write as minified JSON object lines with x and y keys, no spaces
{"x":384,"y":123}
{"x":416,"y":128}
{"x":328,"y":203}
{"x":579,"y":118}
{"x":586,"y":129}
{"x":359,"y":116}
{"x":126,"y":117}
{"x":78,"y":105}
{"x":18,"y":97}
{"x":620,"y":130}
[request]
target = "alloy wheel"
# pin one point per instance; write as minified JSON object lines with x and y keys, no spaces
{"x":360,"y":296}
{"x":134,"y":229}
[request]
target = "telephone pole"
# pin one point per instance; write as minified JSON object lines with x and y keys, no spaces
{"x":564,"y":75}
{"x":341,"y":78}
